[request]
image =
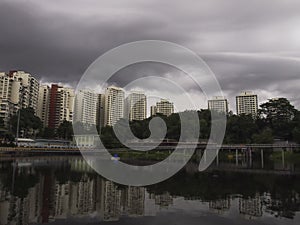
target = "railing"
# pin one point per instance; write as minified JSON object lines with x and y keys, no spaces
{"x":161,"y":147}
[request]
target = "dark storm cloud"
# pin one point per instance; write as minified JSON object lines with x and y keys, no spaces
{"x":249,"y":45}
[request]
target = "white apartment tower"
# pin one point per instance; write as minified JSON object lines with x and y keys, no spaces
{"x":29,"y":89}
{"x":67,"y":98}
{"x":5,"y":97}
{"x":85,"y":109}
{"x":43,"y":103}
{"x":153,"y":110}
{"x":136,"y":106}
{"x":165,"y":107}
{"x":218,"y":104}
{"x":18,"y":89}
{"x":114,"y":105}
{"x":247,"y":103}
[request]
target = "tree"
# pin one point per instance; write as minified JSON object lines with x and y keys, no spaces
{"x":240,"y":129}
{"x":278,"y":115}
{"x":263,"y":137}
{"x":65,"y":130}
{"x":29,"y":122}
{"x":296,"y":127}
{"x":48,"y":132}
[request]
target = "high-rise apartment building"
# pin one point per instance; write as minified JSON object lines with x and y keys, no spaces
{"x":5,"y":97}
{"x":29,"y":89}
{"x":100,"y":110}
{"x":165,"y":107}
{"x":43,"y":104}
{"x":136,"y":106}
{"x":247,"y":103}
{"x":218,"y":104}
{"x":153,"y":110}
{"x":60,"y":106}
{"x":114,"y":105}
{"x":18,"y":89}
{"x":85,"y":109}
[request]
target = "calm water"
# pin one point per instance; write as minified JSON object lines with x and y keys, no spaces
{"x":64,"y":190}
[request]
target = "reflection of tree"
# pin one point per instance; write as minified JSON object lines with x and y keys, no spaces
{"x":22,"y":182}
{"x":216,"y":186}
{"x":211,"y":187}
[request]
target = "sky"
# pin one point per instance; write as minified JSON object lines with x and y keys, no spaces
{"x":249,"y":45}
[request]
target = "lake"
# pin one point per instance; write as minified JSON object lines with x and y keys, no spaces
{"x":65,"y":190}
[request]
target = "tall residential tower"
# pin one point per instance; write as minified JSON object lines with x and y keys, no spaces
{"x":218,"y":104}
{"x":136,"y":106}
{"x":114,"y":105}
{"x":85,"y":109}
{"x":247,"y":103}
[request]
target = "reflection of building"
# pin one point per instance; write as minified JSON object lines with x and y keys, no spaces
{"x":80,"y":165}
{"x":135,"y":201}
{"x":218,"y":104}
{"x":114,"y":105}
{"x":220,"y":205}
{"x":251,"y":207}
{"x":25,"y":210}
{"x":163,"y":200}
{"x":82,"y":196}
{"x":136,"y":106}
{"x":4,"y":204}
{"x":110,"y":205}
{"x":246,"y":103}
{"x":61,"y":202}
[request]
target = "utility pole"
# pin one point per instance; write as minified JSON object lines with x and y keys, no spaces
{"x":18,"y":128}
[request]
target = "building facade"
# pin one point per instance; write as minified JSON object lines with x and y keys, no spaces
{"x":153,"y":110}
{"x":218,"y":104}
{"x":114,"y":105}
{"x":61,"y":105}
{"x":247,"y":103}
{"x":85,"y":109}
{"x":165,"y":107}
{"x":136,"y":106}
{"x":43,"y":104}
{"x":18,"y":90}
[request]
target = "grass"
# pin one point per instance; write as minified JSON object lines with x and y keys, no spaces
{"x":293,"y":157}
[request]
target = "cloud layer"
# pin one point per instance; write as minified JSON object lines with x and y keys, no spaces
{"x":249,"y":45}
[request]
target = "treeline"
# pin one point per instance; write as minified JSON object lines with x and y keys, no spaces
{"x":31,"y":126}
{"x":276,"y":119}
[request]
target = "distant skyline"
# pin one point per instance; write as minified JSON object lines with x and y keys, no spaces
{"x":249,"y":45}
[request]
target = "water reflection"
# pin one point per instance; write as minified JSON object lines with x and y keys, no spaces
{"x":43,"y":190}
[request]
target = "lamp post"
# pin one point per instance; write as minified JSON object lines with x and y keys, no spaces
{"x":18,"y":127}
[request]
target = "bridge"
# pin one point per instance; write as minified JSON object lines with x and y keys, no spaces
{"x":162,"y":146}
{"x":187,"y":145}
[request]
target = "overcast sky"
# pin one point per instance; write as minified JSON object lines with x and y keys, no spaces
{"x":249,"y":45}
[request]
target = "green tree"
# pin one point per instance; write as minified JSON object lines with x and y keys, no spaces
{"x":65,"y":130}
{"x":278,"y":115}
{"x":240,"y":129}
{"x":29,"y":124}
{"x":48,"y":133}
{"x":296,"y":127}
{"x":263,"y":137}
